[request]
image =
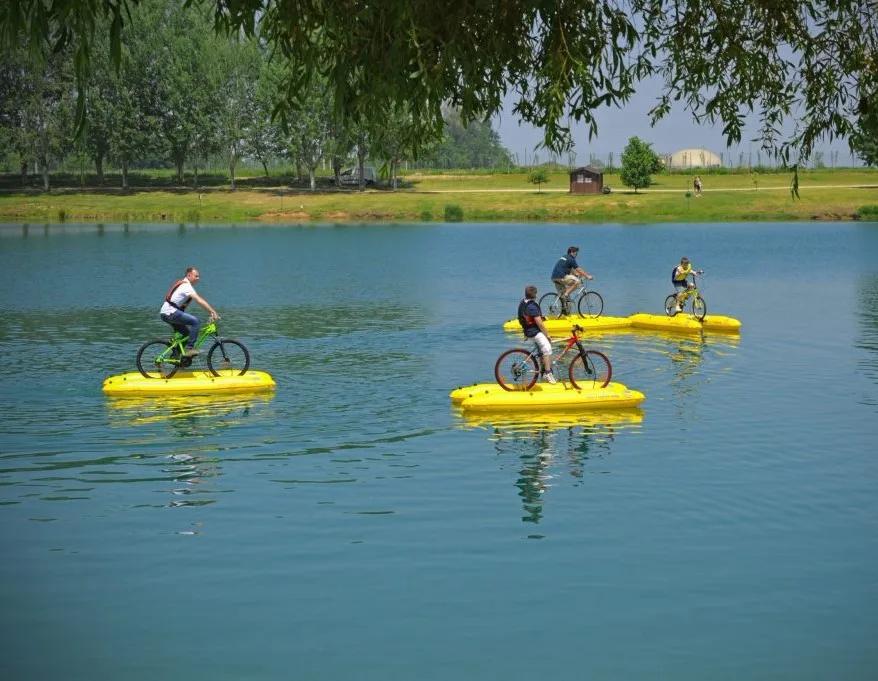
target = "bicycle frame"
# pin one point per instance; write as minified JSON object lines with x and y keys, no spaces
{"x":519,"y":368}
{"x":176,"y":349}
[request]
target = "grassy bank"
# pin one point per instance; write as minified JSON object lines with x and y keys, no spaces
{"x":824,"y":195}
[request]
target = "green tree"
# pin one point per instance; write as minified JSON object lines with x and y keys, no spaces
{"x":638,"y":162}
{"x":864,"y":141}
{"x":538,"y":176}
{"x":809,"y":60}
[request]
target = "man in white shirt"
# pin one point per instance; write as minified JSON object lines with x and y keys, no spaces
{"x":173,"y":310}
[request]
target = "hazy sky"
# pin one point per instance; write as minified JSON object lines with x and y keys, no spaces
{"x":616,"y":126}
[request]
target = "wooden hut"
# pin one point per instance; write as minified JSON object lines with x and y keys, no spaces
{"x":586,"y":180}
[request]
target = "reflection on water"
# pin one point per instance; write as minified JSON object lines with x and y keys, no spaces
{"x":549,"y":444}
{"x":185,"y":413}
{"x":868,"y":317}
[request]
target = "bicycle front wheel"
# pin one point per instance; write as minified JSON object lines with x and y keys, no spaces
{"x":516,"y":370}
{"x":590,"y":369}
{"x":670,"y":305}
{"x":228,"y":358}
{"x":591,"y":304}
{"x":699,"y":308}
{"x":156,"y":359}
{"x":550,"y":304}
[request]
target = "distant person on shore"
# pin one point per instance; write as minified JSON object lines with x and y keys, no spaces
{"x":698,"y":185}
{"x":565,"y":275}
{"x":173,"y":310}
{"x":530,"y":316}
{"x":680,"y":279}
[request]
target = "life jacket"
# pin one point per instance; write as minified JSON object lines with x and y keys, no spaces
{"x":528,"y":322}
{"x":177,"y":285}
{"x":686,"y":272}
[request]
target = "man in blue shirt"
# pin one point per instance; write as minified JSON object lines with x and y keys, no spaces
{"x":530,"y":316}
{"x":566,"y":275}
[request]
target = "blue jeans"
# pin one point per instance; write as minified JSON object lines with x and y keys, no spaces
{"x":184,"y":323}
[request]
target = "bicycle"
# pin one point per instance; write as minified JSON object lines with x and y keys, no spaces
{"x":588,"y":303}
{"x":699,"y":307}
{"x":160,"y":358}
{"x":518,"y":369}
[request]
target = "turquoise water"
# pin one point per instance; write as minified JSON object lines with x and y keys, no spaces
{"x":354,"y":526}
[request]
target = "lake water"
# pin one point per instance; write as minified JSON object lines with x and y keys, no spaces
{"x":354,"y":526}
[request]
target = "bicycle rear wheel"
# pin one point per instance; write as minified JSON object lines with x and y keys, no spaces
{"x":228,"y":358}
{"x":157,"y":359}
{"x":550,"y":304}
{"x":591,"y":304}
{"x":670,"y":304}
{"x":590,"y":369}
{"x":699,"y":308}
{"x":516,"y":370}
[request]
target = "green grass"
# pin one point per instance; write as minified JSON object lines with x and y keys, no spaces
{"x":824,"y":195}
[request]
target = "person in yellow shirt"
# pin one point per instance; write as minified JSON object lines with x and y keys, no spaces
{"x":680,"y":279}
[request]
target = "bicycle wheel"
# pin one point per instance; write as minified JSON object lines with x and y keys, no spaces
{"x":591,"y":304}
{"x":550,"y":304}
{"x":699,"y":308}
{"x":516,"y":369}
{"x":155,"y":359}
{"x":670,"y":304}
{"x":590,"y":369}
{"x":228,"y":358}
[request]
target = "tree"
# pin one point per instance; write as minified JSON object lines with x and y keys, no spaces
{"x":638,"y":162}
{"x":808,"y":60}
{"x":864,"y":141}
{"x":538,"y":176}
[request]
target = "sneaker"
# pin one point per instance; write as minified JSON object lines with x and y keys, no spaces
{"x":678,"y":309}
{"x":550,"y":378}
{"x":190,"y":352}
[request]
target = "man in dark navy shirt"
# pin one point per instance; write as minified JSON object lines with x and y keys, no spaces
{"x":530,"y":316}
{"x":565,"y":275}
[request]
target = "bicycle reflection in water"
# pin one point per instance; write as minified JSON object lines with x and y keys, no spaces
{"x":545,"y":447}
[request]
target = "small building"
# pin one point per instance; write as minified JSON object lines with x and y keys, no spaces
{"x":586,"y":180}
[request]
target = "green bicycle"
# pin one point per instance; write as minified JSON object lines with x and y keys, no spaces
{"x":160,"y":358}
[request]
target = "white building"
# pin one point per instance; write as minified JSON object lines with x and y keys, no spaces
{"x":692,"y":158}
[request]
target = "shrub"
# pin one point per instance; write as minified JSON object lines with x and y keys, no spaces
{"x":453,"y":213}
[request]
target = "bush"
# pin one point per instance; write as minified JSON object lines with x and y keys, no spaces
{"x":453,"y":213}
{"x":867,"y":213}
{"x":426,"y":215}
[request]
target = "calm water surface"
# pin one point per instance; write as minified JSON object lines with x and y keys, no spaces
{"x":354,"y":526}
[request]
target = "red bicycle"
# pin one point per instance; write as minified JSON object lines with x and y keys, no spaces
{"x":519,"y":369}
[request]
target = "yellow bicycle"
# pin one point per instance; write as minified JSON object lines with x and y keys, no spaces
{"x":698,"y":306}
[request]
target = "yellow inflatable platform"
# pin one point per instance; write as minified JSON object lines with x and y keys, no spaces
{"x":681,"y":323}
{"x":188,"y":382}
{"x":685,"y":323}
{"x":562,"y":395}
{"x":566,"y":323}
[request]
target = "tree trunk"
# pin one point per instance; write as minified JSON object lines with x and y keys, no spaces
{"x":125,"y":176}
{"x":233,"y":160}
{"x":45,"y":177}
{"x":195,"y":172}
{"x":361,"y":158}
{"x":264,"y":166}
{"x":23,"y":173}
{"x":99,"y":167}
{"x":312,"y":176}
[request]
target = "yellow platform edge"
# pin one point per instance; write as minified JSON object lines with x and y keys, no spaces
{"x":188,"y":382}
{"x":561,"y":396}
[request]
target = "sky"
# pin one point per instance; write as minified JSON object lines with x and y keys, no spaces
{"x":675,"y":132}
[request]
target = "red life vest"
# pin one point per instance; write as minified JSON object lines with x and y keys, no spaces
{"x":177,"y":285}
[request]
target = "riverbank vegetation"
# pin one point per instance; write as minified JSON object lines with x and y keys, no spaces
{"x":823,"y":195}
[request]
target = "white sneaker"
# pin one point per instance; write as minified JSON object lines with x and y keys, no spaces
{"x":550,"y":378}
{"x":678,"y":309}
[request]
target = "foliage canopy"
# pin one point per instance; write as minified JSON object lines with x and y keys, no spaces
{"x":810,"y":61}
